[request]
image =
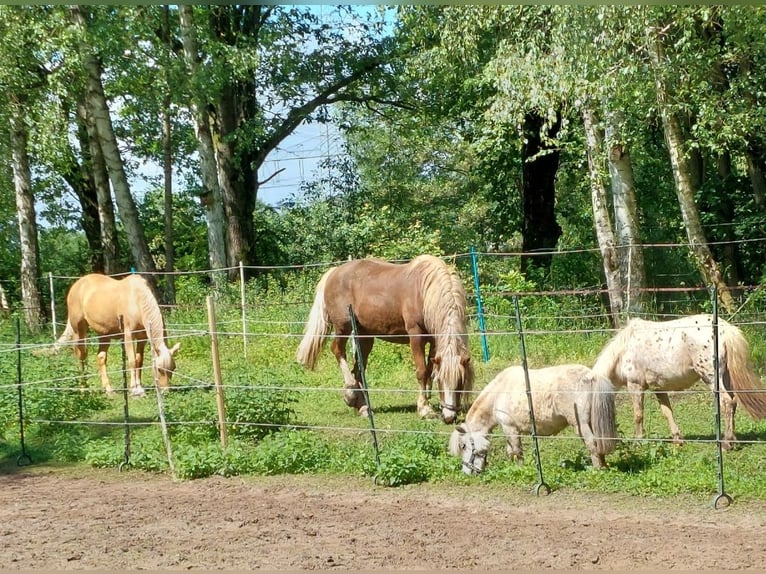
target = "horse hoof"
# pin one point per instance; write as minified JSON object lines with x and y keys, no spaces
{"x":364,"y":411}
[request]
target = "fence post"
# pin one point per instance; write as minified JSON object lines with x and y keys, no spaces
{"x":242,"y":303}
{"x":363,"y":383}
{"x":161,"y":411}
{"x":24,"y":458}
{"x":541,"y":486}
{"x":53,"y":306}
{"x":721,"y":500}
{"x":479,"y":305}
{"x":219,"y":397}
{"x":125,"y":409}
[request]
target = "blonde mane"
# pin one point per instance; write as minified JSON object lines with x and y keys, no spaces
{"x":444,"y":314}
{"x":151,"y":318}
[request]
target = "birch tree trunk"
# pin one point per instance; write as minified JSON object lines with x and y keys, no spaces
{"x":110,"y":245}
{"x":683,"y":175}
{"x":630,"y":251}
{"x":98,"y":107}
{"x":604,"y":231}
{"x":25,"y":211}
{"x":211,"y":197}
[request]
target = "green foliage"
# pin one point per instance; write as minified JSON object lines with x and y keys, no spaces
{"x":408,"y":459}
{"x":291,"y":452}
{"x":256,"y":413}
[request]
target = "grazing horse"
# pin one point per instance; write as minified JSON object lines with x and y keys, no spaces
{"x":670,"y":356}
{"x":562,"y":395}
{"x":418,"y":303}
{"x":98,"y":301}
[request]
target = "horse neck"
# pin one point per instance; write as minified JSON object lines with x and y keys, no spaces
{"x":481,"y":416}
{"x":443,"y":306}
{"x":151,"y":317}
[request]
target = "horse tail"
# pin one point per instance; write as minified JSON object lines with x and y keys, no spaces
{"x":66,"y":336}
{"x":739,"y":377}
{"x":602,"y":415}
{"x":317,"y":328}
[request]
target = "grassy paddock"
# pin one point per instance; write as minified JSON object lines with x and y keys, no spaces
{"x":284,"y":419}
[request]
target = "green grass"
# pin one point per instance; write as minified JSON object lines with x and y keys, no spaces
{"x":285,"y":419}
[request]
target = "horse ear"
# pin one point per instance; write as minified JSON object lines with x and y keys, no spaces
{"x":174,"y":349}
{"x":437,"y":360}
{"x":461,"y":428}
{"x":465,"y":360}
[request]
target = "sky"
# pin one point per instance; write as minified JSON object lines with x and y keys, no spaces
{"x":300,"y":156}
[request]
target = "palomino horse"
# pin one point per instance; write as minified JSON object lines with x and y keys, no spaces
{"x":418,"y":303}
{"x":562,"y":395}
{"x":98,"y":301}
{"x":670,"y":356}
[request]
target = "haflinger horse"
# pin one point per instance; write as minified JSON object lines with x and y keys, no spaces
{"x":667,"y":356}
{"x":420,"y":303}
{"x":97,"y":302}
{"x":563,"y":395}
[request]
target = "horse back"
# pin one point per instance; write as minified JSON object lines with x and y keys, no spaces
{"x":385,"y":297}
{"x":99,"y":301}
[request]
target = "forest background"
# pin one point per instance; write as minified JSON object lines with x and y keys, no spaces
{"x":633,"y":132}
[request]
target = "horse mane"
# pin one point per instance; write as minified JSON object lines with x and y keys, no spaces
{"x":609,"y":358}
{"x":151,"y":316}
{"x":444,"y":314}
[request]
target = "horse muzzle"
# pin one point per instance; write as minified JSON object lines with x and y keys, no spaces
{"x":449,"y":414}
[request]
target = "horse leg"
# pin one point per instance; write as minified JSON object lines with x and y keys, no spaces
{"x":728,"y":408}
{"x":103,"y":347}
{"x":637,"y":395}
{"x":513,"y":445}
{"x":365,"y":347}
{"x":138,"y":364}
{"x":81,"y":352}
{"x":422,"y":373}
{"x":351,"y":393}
{"x":667,"y":411}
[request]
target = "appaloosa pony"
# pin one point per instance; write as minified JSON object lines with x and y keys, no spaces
{"x":562,"y":395}
{"x":97,"y":302}
{"x":667,"y":356}
{"x":420,"y":303}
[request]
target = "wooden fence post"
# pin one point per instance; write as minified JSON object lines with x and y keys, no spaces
{"x":217,"y":373}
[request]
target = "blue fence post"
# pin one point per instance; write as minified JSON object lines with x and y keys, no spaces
{"x":479,"y":306}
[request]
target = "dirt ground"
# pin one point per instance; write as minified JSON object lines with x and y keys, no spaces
{"x":54,"y":519}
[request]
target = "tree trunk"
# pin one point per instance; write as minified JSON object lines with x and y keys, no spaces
{"x":110,"y":245}
{"x":25,"y":211}
{"x":211,"y":195}
{"x":682,"y":175}
{"x":167,"y":160}
{"x":630,"y":251}
{"x":604,"y":233}
{"x":238,"y":181}
{"x":540,"y":230}
{"x":78,"y":176}
{"x":97,"y":105}
{"x":755,"y":170}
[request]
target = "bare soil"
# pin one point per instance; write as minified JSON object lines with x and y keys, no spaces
{"x":65,"y":519}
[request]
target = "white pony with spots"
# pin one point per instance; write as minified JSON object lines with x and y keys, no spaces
{"x":564,"y":395}
{"x":667,"y":356}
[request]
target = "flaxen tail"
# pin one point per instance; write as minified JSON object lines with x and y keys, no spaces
{"x":68,"y":335}
{"x":739,"y":376}
{"x":602,"y":415}
{"x":317,"y":328}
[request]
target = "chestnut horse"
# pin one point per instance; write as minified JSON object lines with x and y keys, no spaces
{"x":563,"y":395}
{"x":418,"y":303}
{"x":671,"y":356}
{"x":98,"y":301}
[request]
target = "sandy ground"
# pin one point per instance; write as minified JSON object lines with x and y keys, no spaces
{"x":57,"y":519}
